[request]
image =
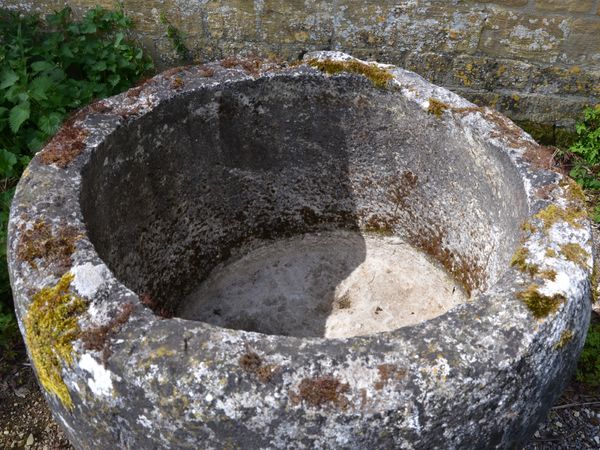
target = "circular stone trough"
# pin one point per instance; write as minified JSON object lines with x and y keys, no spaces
{"x":336,"y":254}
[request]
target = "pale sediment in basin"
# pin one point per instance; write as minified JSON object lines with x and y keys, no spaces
{"x":314,"y":286}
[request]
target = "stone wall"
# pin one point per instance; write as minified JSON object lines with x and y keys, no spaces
{"x":535,"y":60}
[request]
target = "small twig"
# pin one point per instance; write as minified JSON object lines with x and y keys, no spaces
{"x":571,"y":405}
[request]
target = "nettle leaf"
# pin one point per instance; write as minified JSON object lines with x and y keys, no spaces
{"x":88,"y":28}
{"x":7,"y":161}
{"x":114,"y":79}
{"x":99,"y":66}
{"x":49,"y":124}
{"x":8,"y":79}
{"x":36,"y":141}
{"x":39,"y":87}
{"x":23,"y":97}
{"x":40,"y":66}
{"x":118,"y":38}
{"x":18,"y":115}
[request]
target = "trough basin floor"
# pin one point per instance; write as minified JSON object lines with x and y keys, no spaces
{"x":334,"y":284}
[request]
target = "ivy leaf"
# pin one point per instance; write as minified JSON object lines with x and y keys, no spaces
{"x":7,"y":161}
{"x":18,"y":115}
{"x":8,"y":79}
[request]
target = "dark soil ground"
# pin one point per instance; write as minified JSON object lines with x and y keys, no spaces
{"x":26,"y":421}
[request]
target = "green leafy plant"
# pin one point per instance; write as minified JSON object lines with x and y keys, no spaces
{"x":586,"y":162}
{"x":588,"y":368}
{"x":176,"y":38}
{"x":8,"y":326}
{"x":48,"y":72}
{"x":49,"y":68}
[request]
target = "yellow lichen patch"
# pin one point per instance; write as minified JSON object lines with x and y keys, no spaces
{"x":575,"y":253}
{"x":519,"y":260}
{"x":554,"y":214}
{"x":539,"y":304}
{"x":436,"y":107}
{"x":378,"y":76}
{"x":565,"y":338}
{"x":550,"y":253}
{"x":163,"y":351}
{"x":50,"y":329}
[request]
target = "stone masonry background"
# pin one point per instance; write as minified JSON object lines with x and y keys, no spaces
{"x":538,"y":61}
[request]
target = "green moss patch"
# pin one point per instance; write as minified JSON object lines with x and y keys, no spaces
{"x":575,"y":253}
{"x":565,"y":338}
{"x":436,"y":107}
{"x":378,"y":76}
{"x":519,"y":260}
{"x":539,"y":304}
{"x":554,"y":214}
{"x":50,"y":329}
{"x":549,"y":274}
{"x":573,"y":190}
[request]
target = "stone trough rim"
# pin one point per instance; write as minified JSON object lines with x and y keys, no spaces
{"x":500,"y":300}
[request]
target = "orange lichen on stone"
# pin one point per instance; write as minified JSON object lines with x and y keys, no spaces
{"x":248,"y":65}
{"x":541,"y":156}
{"x":69,"y":142}
{"x":157,"y":307}
{"x":252,"y":363}
{"x":97,"y":338}
{"x":388,"y":372}
{"x":467,"y":272}
{"x":545,"y":191}
{"x":177,"y":83}
{"x":40,"y":243}
{"x":207,"y":71}
{"x":321,"y":391}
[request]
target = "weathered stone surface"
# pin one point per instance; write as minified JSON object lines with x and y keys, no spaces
{"x":179,"y":178}
{"x":581,"y":6}
{"x":551,"y":36}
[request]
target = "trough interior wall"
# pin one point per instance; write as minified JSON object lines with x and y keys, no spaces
{"x":208,"y":174}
